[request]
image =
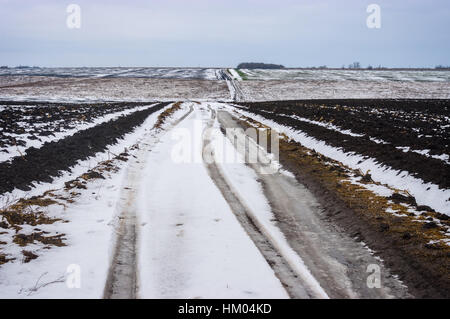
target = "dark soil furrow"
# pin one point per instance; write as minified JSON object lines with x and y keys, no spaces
{"x":47,"y":162}
{"x":21,"y":122}
{"x":426,"y":168}
{"x":420,"y":124}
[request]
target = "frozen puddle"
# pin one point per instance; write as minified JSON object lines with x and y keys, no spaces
{"x":190,"y":244}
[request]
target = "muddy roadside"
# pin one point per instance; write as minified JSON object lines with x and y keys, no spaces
{"x":423,"y":268}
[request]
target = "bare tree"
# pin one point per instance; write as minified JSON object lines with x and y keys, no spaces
{"x":354,"y":65}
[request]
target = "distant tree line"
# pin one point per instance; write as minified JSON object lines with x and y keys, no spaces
{"x":253,"y":65}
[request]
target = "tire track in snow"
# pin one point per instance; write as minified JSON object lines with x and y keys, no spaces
{"x":289,"y":271}
{"x":235,"y":90}
{"x":122,"y":280}
{"x":335,"y":260}
{"x":190,"y":244}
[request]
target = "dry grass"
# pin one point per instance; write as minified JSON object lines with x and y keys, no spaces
{"x":162,"y":118}
{"x":28,"y":256}
{"x":23,"y":240}
{"x":28,"y":212}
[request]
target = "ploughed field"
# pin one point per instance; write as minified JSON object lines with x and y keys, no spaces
{"x":406,"y":135}
{"x":357,"y":183}
{"x":38,"y":141}
{"x":23,"y":123}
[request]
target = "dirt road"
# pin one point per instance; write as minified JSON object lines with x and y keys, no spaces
{"x":188,"y":230}
{"x":338,"y":262}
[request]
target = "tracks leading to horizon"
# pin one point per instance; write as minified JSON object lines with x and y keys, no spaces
{"x":235,"y":90}
{"x":315,"y":261}
{"x":309,"y":256}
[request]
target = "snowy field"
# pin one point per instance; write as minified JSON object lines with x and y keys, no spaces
{"x":254,"y":74}
{"x":279,"y":90}
{"x":164,"y":73}
{"x":115,"y":89}
{"x":348,"y":75}
{"x":147,"y":197}
{"x":149,"y":84}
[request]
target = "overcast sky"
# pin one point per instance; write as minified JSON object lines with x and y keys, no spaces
{"x":224,"y":32}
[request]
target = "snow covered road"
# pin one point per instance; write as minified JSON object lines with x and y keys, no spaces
{"x":190,"y":243}
{"x":208,"y":228}
{"x":179,"y":222}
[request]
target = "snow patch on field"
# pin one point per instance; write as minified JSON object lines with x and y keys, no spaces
{"x":350,"y":75}
{"x":442,"y":157}
{"x":329,"y":126}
